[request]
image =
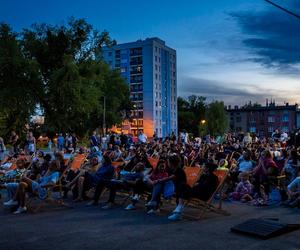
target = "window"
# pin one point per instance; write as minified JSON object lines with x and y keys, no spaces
{"x":270,"y":129}
{"x":285,"y":129}
{"x":285,"y":118}
{"x":109,"y":53}
{"x":238,"y":119}
{"x":155,"y":58}
{"x":123,"y":70}
{"x":271,"y":119}
{"x":252,"y":129}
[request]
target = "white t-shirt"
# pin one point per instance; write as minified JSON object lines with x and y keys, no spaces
{"x":142,"y":138}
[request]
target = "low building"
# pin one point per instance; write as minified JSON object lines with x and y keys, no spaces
{"x":263,"y":120}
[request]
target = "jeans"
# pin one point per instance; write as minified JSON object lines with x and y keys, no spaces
{"x":11,"y":189}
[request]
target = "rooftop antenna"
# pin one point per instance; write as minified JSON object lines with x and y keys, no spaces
{"x":283,"y":9}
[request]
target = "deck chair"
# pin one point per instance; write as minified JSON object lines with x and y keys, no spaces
{"x":192,"y":175}
{"x":153,"y":161}
{"x":205,"y":206}
{"x":73,"y":164}
{"x":48,"y":200}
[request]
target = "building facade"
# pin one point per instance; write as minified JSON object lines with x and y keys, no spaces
{"x":150,"y":69}
{"x":263,"y":120}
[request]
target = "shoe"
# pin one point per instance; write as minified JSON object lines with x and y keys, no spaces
{"x":108,"y":206}
{"x":135,"y":198}
{"x":10,"y":203}
{"x":153,"y":211}
{"x":294,"y":203}
{"x":20,"y":210}
{"x":175,"y":217}
{"x":130,"y":207}
{"x":151,"y":204}
{"x":92,"y":203}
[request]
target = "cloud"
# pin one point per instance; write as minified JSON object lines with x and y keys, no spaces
{"x":230,"y":93}
{"x":272,"y":36}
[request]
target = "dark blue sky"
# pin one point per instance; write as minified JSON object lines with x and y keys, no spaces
{"x":227,"y":49}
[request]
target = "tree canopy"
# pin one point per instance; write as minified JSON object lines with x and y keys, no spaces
{"x":60,"y":70}
{"x":194,"y":109}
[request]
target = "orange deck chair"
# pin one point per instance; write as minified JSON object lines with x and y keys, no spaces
{"x":205,"y":206}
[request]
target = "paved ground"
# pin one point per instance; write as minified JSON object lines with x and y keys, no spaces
{"x":93,"y":228}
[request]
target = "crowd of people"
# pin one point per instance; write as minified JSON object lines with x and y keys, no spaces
{"x":257,"y":167}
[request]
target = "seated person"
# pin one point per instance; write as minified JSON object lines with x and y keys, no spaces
{"x":159,"y":173}
{"x":12,"y":175}
{"x":176,"y":178}
{"x":88,"y":180}
{"x":38,"y":187}
{"x":293,"y":190}
{"x":244,"y":189}
{"x":128,"y":181}
{"x":73,"y":175}
{"x":202,"y":190}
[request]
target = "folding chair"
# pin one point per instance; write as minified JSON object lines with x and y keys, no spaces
{"x":207,"y":205}
{"x":153,"y":161}
{"x":74,"y":164}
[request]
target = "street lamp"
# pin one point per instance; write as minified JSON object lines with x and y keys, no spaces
{"x":202,"y":124}
{"x":104,"y":111}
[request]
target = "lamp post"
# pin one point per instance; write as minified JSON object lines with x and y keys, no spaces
{"x":202,"y":124}
{"x":104,"y":119}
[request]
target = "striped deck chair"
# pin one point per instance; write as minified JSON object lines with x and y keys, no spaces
{"x":205,"y":206}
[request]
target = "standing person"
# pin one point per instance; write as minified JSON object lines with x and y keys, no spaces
{"x":69,"y":140}
{"x":14,"y":141}
{"x":60,"y":142}
{"x":30,"y":143}
{"x":123,"y":139}
{"x":112,"y":140}
{"x":50,"y":145}
{"x":173,"y":137}
{"x":94,"y":140}
{"x":142,"y":138}
{"x":74,"y":141}
{"x":2,"y":149}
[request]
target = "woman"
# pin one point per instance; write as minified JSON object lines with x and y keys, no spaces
{"x":202,"y":190}
{"x":176,"y":176}
{"x":30,"y":143}
{"x":38,"y":187}
{"x":264,"y":174}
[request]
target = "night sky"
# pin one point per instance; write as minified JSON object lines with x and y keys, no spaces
{"x":231,"y":50}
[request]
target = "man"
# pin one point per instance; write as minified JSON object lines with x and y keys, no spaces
{"x":94,"y":140}
{"x":142,"y":138}
{"x":60,"y":142}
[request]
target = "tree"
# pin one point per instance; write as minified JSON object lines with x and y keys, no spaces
{"x":18,"y":77}
{"x":59,"y":70}
{"x":74,"y":77}
{"x":190,"y":112}
{"x":216,"y":118}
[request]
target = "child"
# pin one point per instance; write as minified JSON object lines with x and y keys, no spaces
{"x":243,"y":190}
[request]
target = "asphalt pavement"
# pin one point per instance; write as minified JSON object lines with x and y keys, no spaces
{"x":93,"y":228}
